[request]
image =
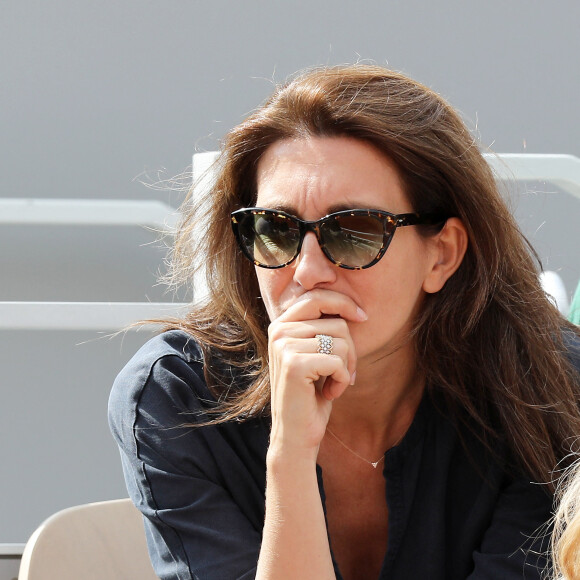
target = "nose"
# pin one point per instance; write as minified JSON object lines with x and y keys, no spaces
{"x":312,"y":267}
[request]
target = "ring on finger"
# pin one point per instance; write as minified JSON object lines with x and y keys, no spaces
{"x":325,"y":342}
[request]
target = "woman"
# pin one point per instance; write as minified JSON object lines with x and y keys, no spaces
{"x":377,"y":375}
{"x":566,"y":533}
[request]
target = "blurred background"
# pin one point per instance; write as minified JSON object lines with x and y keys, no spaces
{"x":102,"y":100}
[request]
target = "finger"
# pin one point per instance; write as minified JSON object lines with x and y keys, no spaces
{"x":302,"y":338}
{"x":343,"y":347}
{"x":335,"y":327}
{"x":290,"y":346}
{"x":335,"y":375}
{"x":308,"y":370}
{"x":333,"y":389}
{"x":318,"y":303}
{"x":331,"y":374}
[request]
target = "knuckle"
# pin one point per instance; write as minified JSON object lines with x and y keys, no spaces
{"x":274,"y":331}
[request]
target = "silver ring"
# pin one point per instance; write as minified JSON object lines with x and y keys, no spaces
{"x":324,"y":343}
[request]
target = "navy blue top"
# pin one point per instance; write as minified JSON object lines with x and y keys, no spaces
{"x":455,"y":511}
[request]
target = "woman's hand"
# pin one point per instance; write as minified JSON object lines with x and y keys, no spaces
{"x":303,"y":381}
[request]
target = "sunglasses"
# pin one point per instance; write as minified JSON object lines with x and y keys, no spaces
{"x":354,"y":239}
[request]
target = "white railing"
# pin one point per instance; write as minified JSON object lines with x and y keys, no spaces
{"x":109,"y":316}
{"x":562,"y":170}
{"x":11,"y":550}
{"x":33,"y":211}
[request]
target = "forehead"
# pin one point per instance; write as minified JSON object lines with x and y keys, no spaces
{"x":317,"y":175}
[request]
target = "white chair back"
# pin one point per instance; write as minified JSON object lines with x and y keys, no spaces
{"x":96,"y":541}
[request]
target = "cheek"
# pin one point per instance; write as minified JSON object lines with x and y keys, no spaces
{"x":392,"y":311}
{"x":394,"y":297}
{"x":395,"y":301}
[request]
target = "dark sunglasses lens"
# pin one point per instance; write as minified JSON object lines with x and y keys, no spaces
{"x":353,"y":240}
{"x":269,"y":238}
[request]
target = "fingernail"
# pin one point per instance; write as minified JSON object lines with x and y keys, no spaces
{"x":353,"y":378}
{"x":361,"y":313}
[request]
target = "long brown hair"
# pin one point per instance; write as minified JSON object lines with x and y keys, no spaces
{"x":490,"y":341}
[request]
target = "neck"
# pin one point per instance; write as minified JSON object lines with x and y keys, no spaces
{"x":378,"y":409}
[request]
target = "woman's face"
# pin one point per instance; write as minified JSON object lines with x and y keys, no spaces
{"x":313,"y":177}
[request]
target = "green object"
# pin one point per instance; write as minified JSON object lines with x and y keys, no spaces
{"x":574,"y":315}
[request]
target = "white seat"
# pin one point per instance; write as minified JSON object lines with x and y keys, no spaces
{"x":96,"y":541}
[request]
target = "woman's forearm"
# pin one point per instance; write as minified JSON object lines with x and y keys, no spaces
{"x":295,"y":539}
{"x":303,"y":382}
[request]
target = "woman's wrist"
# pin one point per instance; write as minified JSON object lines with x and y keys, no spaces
{"x":281,"y":455}
{"x":295,"y":522}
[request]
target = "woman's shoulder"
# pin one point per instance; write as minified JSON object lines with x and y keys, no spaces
{"x":160,"y":395}
{"x":166,"y":370}
{"x":174,"y":348}
{"x":172,"y":343}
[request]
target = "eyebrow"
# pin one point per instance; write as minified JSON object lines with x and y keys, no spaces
{"x":346,"y":206}
{"x":280,"y":207}
{"x":332,"y":209}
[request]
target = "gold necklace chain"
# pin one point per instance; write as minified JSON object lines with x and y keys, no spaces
{"x":373,"y":463}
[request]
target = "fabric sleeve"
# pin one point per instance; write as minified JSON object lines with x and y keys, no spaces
{"x":516,"y":543}
{"x":202,"y":502}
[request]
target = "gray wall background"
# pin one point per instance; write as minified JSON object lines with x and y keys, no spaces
{"x":98,"y":94}
{"x":98,"y":97}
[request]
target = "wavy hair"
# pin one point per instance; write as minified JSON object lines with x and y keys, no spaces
{"x":566,"y":532}
{"x":490,"y":341}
